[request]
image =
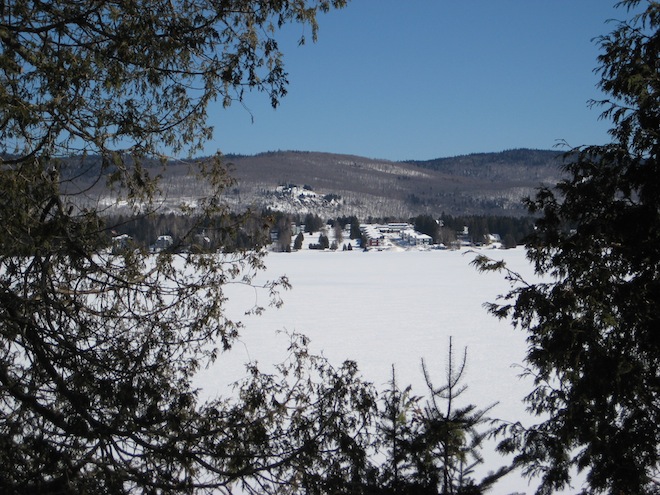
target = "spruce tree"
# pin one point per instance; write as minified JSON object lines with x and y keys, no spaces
{"x":432,"y":443}
{"x":298,"y":242}
{"x":453,"y":434}
{"x":398,"y":430}
{"x":593,"y":324}
{"x":324,"y":241}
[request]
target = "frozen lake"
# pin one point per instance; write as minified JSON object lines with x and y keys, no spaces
{"x":387,"y":308}
{"x":390,"y":308}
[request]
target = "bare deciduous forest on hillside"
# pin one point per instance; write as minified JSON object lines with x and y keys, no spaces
{"x":491,"y":184}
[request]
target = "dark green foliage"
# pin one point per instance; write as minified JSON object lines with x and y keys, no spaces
{"x":98,"y":350}
{"x":303,"y":429}
{"x":354,"y":225}
{"x":313,"y":223}
{"x":515,"y":229}
{"x":297,"y":243}
{"x":509,"y":241}
{"x":63,"y":64}
{"x":399,"y":430}
{"x":433,"y":444}
{"x":471,"y":164}
{"x":428,"y":225}
{"x":227,"y":232}
{"x":324,"y":242}
{"x":593,"y":327}
{"x":401,"y":445}
{"x":356,"y":233}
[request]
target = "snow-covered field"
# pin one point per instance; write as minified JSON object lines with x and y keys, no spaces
{"x":391,"y":308}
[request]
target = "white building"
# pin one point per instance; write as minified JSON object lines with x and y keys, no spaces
{"x":414,"y":238}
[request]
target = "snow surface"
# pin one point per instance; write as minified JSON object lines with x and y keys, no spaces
{"x":391,"y":308}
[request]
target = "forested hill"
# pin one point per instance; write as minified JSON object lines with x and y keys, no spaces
{"x":335,"y":185}
{"x":485,"y":183}
{"x":496,"y":165}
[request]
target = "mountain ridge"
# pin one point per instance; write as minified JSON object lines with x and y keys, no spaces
{"x":479,"y":183}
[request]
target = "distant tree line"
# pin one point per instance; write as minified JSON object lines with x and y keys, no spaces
{"x":229,"y":232}
{"x":446,"y":229}
{"x":476,"y":164}
{"x":512,"y":230}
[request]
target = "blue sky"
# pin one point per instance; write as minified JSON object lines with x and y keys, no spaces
{"x":423,"y":79}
